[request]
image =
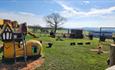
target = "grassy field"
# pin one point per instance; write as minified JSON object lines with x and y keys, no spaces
{"x":62,"y":56}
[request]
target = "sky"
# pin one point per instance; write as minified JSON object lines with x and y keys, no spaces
{"x":79,"y":13}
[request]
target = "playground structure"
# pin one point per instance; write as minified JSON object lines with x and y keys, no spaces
{"x":14,"y":44}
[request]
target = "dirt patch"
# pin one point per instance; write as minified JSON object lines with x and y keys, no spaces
{"x":96,"y":50}
{"x":29,"y":65}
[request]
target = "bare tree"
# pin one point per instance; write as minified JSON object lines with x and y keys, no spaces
{"x":54,"y":20}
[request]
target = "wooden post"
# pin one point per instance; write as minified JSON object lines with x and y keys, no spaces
{"x":14,"y":52}
{"x":100,"y":34}
{"x":68,"y":31}
{"x":112,"y":54}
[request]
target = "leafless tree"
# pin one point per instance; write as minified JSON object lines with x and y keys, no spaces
{"x":54,"y":20}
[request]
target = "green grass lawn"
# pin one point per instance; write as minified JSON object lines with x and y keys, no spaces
{"x":62,"y":56}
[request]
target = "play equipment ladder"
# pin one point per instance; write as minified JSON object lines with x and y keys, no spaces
{"x":20,"y":39}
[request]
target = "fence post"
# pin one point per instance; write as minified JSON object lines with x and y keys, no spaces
{"x":112,"y":55}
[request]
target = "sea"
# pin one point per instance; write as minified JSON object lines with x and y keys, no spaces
{"x":96,"y":32}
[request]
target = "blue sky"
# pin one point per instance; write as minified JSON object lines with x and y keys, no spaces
{"x":79,"y":13}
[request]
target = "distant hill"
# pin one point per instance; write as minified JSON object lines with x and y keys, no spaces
{"x":94,"y":29}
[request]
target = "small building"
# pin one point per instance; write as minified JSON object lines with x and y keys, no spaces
{"x":76,"y":33}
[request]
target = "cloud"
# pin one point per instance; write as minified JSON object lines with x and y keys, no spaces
{"x":71,"y":12}
{"x":102,"y":17}
{"x":101,"y":11}
{"x":65,"y":7}
{"x":86,"y":2}
{"x":21,"y":17}
{"x":27,"y":13}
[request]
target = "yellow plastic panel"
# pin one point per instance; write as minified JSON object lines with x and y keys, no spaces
{"x":1,"y":21}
